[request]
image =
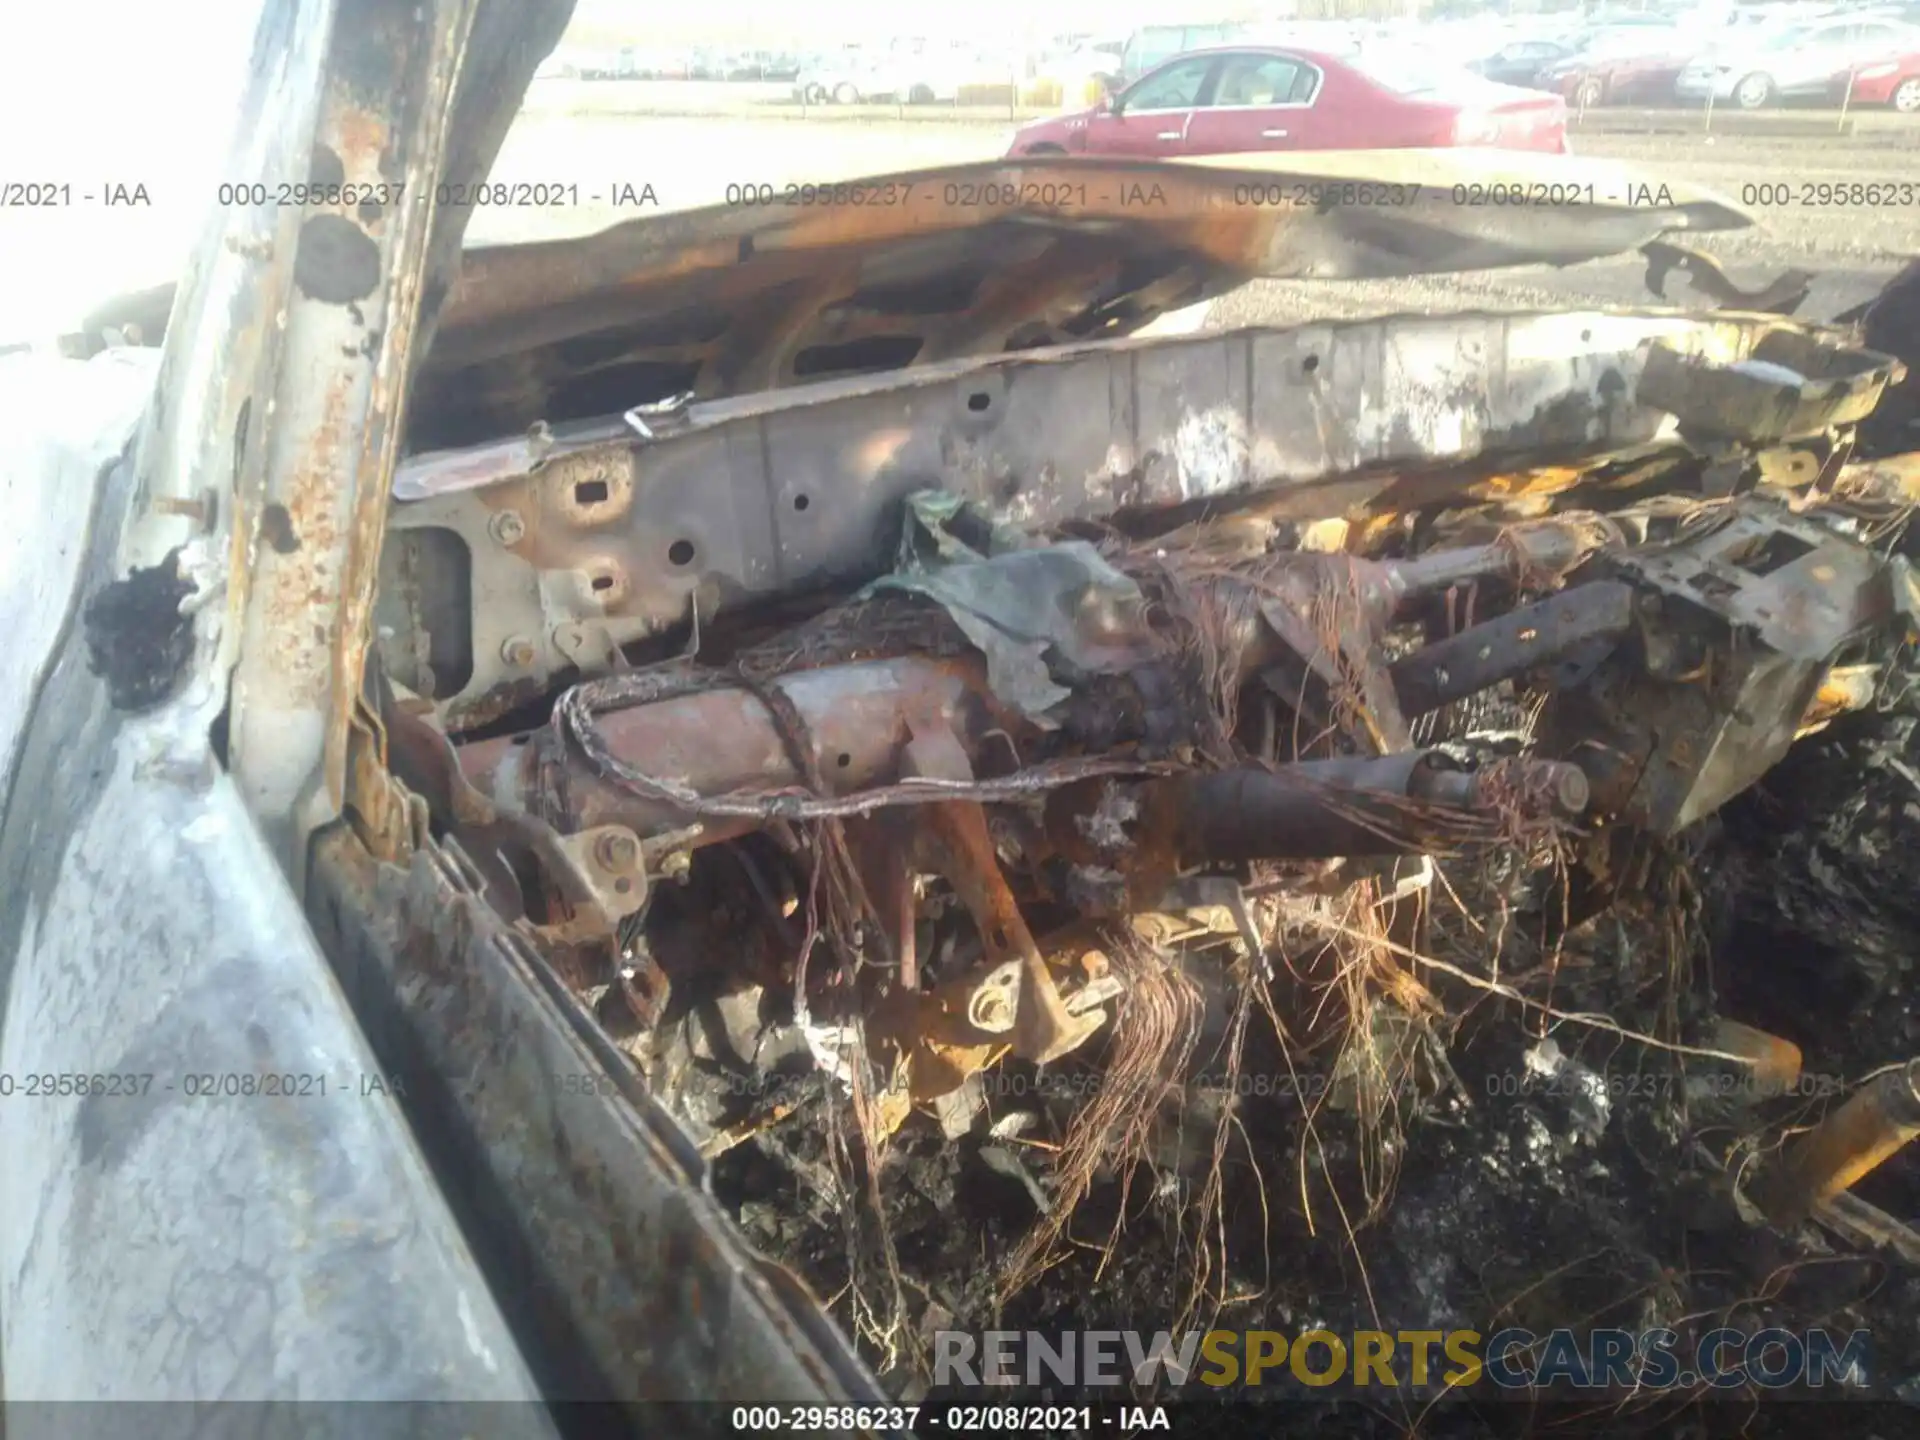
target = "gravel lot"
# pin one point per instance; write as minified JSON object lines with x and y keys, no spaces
{"x":595,"y":137}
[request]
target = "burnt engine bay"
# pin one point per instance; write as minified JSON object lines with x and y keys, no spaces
{"x":1191,"y":791}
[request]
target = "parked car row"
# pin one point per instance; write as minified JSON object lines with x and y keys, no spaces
{"x":1872,"y":57}
{"x":638,"y":63}
{"x":911,"y":71}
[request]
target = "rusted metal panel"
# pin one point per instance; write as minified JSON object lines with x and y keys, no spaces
{"x":349,"y":324}
{"x":611,"y":540}
{"x":1794,"y":385}
{"x":202,"y":442}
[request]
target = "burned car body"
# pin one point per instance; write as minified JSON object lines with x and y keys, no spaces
{"x":424,"y":643}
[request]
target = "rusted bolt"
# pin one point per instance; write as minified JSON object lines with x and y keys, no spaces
{"x":518,"y":651}
{"x":507,"y":527}
{"x":991,"y":1009}
{"x":1571,"y":792}
{"x":617,"y":851}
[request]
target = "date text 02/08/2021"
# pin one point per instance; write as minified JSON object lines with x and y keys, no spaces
{"x":199,"y":1085}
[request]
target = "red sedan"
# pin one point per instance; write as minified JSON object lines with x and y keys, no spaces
{"x":1257,"y":97}
{"x":1894,"y":81}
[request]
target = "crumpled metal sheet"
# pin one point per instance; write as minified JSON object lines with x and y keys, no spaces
{"x":1018,"y":604}
{"x":982,"y":258}
{"x":976,"y":259}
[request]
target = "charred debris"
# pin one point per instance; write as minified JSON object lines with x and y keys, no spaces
{"x":1172,"y":901}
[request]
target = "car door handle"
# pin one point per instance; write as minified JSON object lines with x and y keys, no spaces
{"x":1169,"y":134}
{"x":1273,"y":134}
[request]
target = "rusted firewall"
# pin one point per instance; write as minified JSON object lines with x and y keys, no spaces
{"x":611,"y":539}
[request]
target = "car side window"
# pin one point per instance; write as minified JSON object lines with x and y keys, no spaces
{"x":1174,"y":88}
{"x":1255,"y":80}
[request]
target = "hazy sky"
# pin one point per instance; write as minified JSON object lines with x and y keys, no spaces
{"x":96,"y":93}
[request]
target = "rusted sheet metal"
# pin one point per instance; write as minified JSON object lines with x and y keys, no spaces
{"x":589,"y":1200}
{"x":608,"y":542}
{"x":1794,"y":385}
{"x":348,"y":333}
{"x":201,"y":444}
{"x":925,"y":266}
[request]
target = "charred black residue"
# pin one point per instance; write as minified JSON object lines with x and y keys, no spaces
{"x":337,"y":262}
{"x":432,"y":298}
{"x":109,"y":1123}
{"x":276,"y":527}
{"x":137,"y":639}
{"x":326,"y":169}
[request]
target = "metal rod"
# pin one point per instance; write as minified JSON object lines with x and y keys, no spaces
{"x":1397,"y":805}
{"x":1518,"y":641}
{"x":1880,"y":1120}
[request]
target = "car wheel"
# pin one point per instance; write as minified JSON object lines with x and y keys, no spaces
{"x":814,"y":94}
{"x":1590,"y":92}
{"x":845,"y":94}
{"x":1906,"y":97}
{"x":1753,"y":92}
